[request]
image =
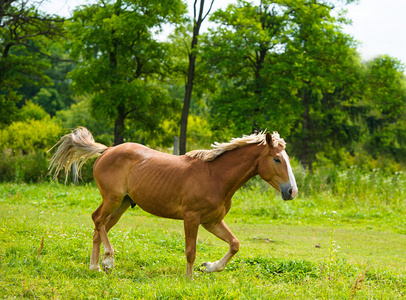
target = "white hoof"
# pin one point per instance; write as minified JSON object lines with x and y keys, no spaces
{"x":210,"y":267}
{"x":107,"y":262}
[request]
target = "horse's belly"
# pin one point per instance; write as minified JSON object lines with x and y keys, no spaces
{"x":156,"y":185}
{"x":158,"y":202}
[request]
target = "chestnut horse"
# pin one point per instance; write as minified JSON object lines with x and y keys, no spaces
{"x":196,"y":188}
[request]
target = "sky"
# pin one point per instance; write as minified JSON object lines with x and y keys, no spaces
{"x":379,"y":26}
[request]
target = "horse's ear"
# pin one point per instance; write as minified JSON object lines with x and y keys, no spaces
{"x":268,"y":139}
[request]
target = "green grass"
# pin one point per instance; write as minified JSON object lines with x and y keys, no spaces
{"x":326,"y":244}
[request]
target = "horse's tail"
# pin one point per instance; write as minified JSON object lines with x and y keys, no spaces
{"x":75,"y":147}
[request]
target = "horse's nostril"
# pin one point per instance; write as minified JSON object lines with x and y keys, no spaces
{"x":290,"y":191}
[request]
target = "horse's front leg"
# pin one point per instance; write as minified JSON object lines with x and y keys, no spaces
{"x":221,"y":231}
{"x":191,"y":223}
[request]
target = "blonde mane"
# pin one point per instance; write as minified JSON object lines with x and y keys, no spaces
{"x":220,"y":148}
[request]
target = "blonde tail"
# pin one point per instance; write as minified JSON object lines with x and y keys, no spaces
{"x":75,"y":147}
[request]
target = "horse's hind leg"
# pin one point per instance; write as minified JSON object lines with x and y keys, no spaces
{"x":108,"y":255}
{"x":104,"y":218}
{"x":116,"y":215}
{"x":94,"y":258}
{"x":221,"y":231}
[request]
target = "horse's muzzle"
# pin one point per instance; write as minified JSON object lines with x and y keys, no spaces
{"x":288,"y":192}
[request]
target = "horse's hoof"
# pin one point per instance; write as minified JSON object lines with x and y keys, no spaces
{"x":107,"y":269}
{"x":202,"y":267}
{"x":210,"y":267}
{"x":107,"y":266}
{"x":95,"y":268}
{"x":107,"y":263}
{"x":207,"y":267}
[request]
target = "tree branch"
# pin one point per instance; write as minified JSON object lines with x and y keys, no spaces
{"x":46,"y":55}
{"x":211,"y":5}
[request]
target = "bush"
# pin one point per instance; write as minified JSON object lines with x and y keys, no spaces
{"x":31,"y":136}
{"x":32,"y":111}
{"x":23,"y":149}
{"x":18,"y":167}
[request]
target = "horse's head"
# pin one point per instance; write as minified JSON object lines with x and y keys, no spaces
{"x":274,"y":167}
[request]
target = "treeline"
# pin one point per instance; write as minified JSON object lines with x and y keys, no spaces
{"x":282,"y":65}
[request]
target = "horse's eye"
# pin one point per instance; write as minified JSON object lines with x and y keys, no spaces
{"x":277,"y":160}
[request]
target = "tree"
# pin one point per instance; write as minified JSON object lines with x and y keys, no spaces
{"x":120,"y":63}
{"x":78,"y":114}
{"x":323,"y":70}
{"x":197,"y":22}
{"x":240,"y":53}
{"x":383,"y":107}
{"x":25,"y":34}
{"x":286,"y":64}
{"x":57,"y":96}
{"x":49,"y":99}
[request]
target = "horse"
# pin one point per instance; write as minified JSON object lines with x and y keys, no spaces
{"x":196,"y":187}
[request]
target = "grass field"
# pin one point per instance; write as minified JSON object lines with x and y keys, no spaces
{"x":345,"y":241}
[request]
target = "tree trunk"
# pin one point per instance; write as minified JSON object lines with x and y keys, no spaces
{"x":186,"y":103}
{"x":257,"y":87}
{"x":191,"y":76}
{"x":119,"y":123}
{"x":119,"y":127}
{"x":305,"y":156}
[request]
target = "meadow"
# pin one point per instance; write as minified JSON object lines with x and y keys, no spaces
{"x":343,"y":237}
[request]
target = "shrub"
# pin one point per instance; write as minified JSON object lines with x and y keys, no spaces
{"x":24,"y":146}
{"x":32,"y":111}
{"x":30,"y":136}
{"x":18,"y":167}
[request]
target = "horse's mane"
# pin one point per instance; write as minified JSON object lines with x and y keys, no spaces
{"x":220,"y":148}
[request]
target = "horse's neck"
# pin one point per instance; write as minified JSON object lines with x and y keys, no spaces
{"x":234,"y":168}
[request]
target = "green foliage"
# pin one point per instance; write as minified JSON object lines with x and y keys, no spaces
{"x":35,"y":135}
{"x":325,"y":76}
{"x":384,"y":108}
{"x":386,"y":87}
{"x":79,"y":115}
{"x":24,"y":36}
{"x":282,"y":65}
{"x":120,"y":62}
{"x":238,"y":52}
{"x":62,"y":64}
{"x":19,"y":167}
{"x":49,"y":99}
{"x":199,"y":133}
{"x":24,"y":146}
{"x":286,"y":66}
{"x":32,"y":111}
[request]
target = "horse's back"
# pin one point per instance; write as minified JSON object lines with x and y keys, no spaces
{"x":119,"y":161}
{"x":154,"y":180}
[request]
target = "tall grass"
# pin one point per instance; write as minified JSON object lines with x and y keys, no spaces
{"x":354,"y":183}
{"x":376,"y":200}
